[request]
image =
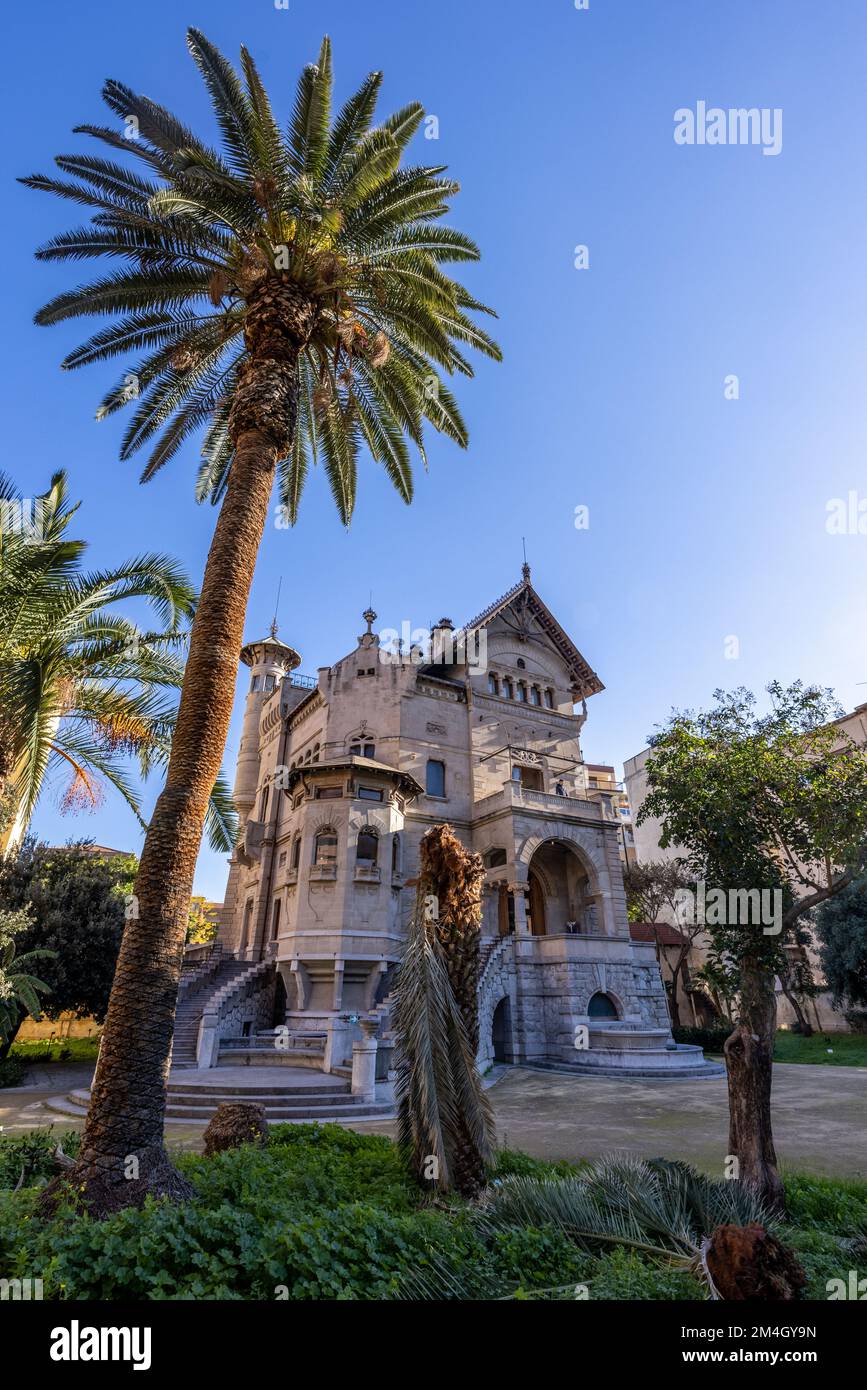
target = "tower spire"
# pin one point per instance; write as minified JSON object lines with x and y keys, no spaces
{"x":525,"y":568}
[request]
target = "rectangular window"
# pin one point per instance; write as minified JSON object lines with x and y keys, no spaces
{"x":328,"y":793}
{"x":275,"y":920}
{"x":282,"y":860}
{"x":435,"y":784}
{"x":370,"y":794}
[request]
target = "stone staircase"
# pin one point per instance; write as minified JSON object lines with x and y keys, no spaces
{"x":327,"y":1098}
{"x":196,"y":993}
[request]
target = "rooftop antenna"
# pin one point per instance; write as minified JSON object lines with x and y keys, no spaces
{"x":276,"y":606}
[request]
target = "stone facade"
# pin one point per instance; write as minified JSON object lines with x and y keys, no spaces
{"x":339,"y":778}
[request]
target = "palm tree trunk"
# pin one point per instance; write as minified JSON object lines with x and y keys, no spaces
{"x":122,"y":1157}
{"x":127,"y":1108}
{"x":749,"y":1053}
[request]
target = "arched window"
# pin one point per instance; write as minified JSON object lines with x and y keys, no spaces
{"x":508,"y":688}
{"x":368,"y":847}
{"x":549,"y":698}
{"x":296,"y":852}
{"x":495,"y":858}
{"x":601,"y":1006}
{"x":263,"y":804}
{"x":435,"y":782}
{"x":535,"y":697}
{"x":493,"y":684}
{"x":521,"y":664}
{"x":315,"y":758}
{"x":522,"y":693}
{"x":325,"y":847}
{"x":395,"y":854}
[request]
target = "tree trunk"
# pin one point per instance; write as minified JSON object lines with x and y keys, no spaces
{"x":453,"y":876}
{"x":805,"y":1028}
{"x":122,"y":1157}
{"x":749,"y":1055}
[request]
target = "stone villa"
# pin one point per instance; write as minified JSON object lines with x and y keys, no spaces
{"x":339,"y":777}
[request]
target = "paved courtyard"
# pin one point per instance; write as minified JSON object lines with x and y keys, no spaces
{"x":820,"y":1116}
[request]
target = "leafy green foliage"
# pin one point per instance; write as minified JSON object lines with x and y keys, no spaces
{"x":20,"y":990}
{"x":82,"y":686}
{"x":775,"y":801}
{"x":326,"y":1213}
{"x":841,"y":926}
{"x":75,"y":903}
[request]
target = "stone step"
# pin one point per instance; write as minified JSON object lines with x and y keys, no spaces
{"x":196,"y":1088}
{"x":347,"y":1109}
{"x":297,"y":1110}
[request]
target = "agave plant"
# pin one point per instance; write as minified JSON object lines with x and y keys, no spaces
{"x":287,"y":291}
{"x":82,"y":686}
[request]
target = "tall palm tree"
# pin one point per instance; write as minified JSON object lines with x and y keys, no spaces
{"x":82,"y":686}
{"x":287,"y":291}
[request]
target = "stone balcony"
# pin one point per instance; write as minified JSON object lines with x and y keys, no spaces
{"x":514,"y":797}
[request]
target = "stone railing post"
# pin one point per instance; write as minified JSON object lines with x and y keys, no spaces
{"x":208,"y":1041}
{"x":364,"y":1062}
{"x":335,"y":1044}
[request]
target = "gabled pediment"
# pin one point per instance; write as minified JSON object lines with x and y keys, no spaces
{"x":523,"y":613}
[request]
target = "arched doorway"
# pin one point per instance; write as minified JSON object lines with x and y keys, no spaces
{"x":501,"y":1027}
{"x":602,"y":1006}
{"x":560,"y":897}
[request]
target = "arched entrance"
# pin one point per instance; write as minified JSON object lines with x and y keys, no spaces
{"x":560,"y":897}
{"x":602,"y":1006}
{"x":501,"y":1027}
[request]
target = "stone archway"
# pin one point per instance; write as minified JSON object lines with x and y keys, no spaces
{"x":501,"y":1031}
{"x":561,"y":899}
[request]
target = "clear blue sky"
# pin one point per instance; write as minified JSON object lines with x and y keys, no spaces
{"x":707,"y":516}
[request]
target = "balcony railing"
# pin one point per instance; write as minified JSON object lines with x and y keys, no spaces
{"x":513,"y":796}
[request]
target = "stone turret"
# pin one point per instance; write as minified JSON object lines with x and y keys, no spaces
{"x":269,"y":660}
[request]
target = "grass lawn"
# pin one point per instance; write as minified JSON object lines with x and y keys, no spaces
{"x":326,"y":1213}
{"x":822,"y":1049}
{"x":56,"y":1050}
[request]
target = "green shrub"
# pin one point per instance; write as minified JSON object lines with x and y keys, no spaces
{"x":12,"y":1071}
{"x":326,"y":1213}
{"x":32,"y":1153}
{"x":711,"y":1039}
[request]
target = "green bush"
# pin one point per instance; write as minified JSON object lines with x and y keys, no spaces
{"x":326,"y":1213}
{"x":711,"y":1039}
{"x":12,"y":1071}
{"x":33,"y":1154}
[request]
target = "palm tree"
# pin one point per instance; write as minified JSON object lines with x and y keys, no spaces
{"x":451,"y":877}
{"x":287,"y":292}
{"x":20,"y":990}
{"x":445,"y":1124}
{"x":81,"y":685}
